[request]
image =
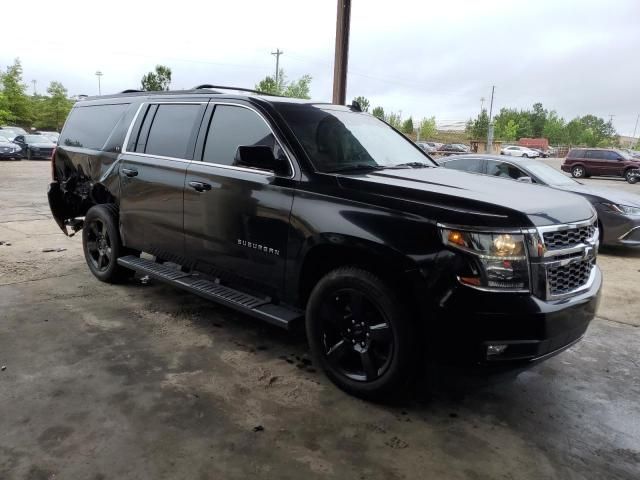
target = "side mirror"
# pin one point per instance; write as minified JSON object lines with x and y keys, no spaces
{"x":525,"y":179}
{"x":261,"y":157}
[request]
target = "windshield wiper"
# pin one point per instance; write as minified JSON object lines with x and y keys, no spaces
{"x":414,"y":165}
{"x":356,"y":166}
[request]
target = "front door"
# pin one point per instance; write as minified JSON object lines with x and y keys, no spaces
{"x":152,"y":177}
{"x":236,"y":219}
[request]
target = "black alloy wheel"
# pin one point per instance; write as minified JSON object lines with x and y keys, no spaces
{"x":99,"y":245}
{"x":360,"y":332}
{"x":356,"y":336}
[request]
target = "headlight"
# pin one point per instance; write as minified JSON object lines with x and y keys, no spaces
{"x":498,"y":261}
{"x":624,"y":209}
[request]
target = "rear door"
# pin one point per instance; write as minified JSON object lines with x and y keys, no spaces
{"x":152,"y":173}
{"x":471,"y":165}
{"x":237,"y":219}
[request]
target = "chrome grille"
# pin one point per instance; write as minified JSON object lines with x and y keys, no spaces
{"x":567,"y":278}
{"x":568,"y":238}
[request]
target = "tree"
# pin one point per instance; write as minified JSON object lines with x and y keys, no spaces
{"x":510,"y":130}
{"x":157,"y":81}
{"x":53,"y":110}
{"x":428,"y":128}
{"x":477,"y":129}
{"x":407,"y":125}
{"x":363,"y":102}
{"x":378,"y":112}
{"x":4,"y":109}
{"x":555,"y":129}
{"x":538,"y":118}
{"x":296,"y":89}
{"x":395,"y":120}
{"x":15,"y":100}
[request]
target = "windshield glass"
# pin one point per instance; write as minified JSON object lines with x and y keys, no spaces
{"x":625,"y":155}
{"x":3,"y":139}
{"x":338,"y":139}
{"x":549,"y":175}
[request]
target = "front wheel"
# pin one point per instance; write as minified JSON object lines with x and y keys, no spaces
{"x":525,"y":155}
{"x":578,"y":171}
{"x":360,"y":333}
{"x":102,"y":245}
{"x":631,"y":176}
{"x":29,"y":157}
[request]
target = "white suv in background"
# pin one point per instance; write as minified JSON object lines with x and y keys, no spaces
{"x":516,"y":151}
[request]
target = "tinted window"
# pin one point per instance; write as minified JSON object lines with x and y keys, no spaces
{"x":576,"y":153}
{"x":90,"y":127}
{"x":609,"y":155}
{"x":232,"y":127}
{"x":465,"y":164}
{"x":172,"y":130}
{"x":499,"y":169}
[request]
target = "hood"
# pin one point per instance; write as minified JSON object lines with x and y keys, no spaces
{"x":8,"y":144}
{"x":470,"y":199}
{"x":604,"y":194}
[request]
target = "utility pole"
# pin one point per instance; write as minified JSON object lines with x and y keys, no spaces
{"x":611,"y":115}
{"x":341,"y":61}
{"x":99,"y":74}
{"x":277,"y":53}
{"x":490,"y":129}
{"x":34,"y":87}
{"x":481,"y":104}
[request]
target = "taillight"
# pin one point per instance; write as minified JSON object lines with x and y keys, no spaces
{"x":53,"y":164}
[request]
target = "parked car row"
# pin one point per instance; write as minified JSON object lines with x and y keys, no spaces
{"x":16,"y":143}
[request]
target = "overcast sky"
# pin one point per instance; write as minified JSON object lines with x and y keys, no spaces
{"x":420,"y":57}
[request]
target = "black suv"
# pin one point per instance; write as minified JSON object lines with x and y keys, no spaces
{"x":290,"y":210}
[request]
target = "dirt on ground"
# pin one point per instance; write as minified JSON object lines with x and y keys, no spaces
{"x":140,"y":380}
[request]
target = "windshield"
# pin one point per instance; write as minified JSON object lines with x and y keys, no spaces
{"x":337,"y":139}
{"x":3,"y":139}
{"x":625,"y":155}
{"x":549,"y":175}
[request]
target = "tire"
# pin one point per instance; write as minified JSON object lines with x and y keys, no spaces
{"x":524,"y":155}
{"x":29,"y":156}
{"x":102,"y":245}
{"x":373,"y":356}
{"x":629,"y":177}
{"x":578,"y":171}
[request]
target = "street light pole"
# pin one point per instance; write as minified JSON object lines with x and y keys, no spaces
{"x":99,"y":74}
{"x":490,"y":128}
{"x":342,"y":52}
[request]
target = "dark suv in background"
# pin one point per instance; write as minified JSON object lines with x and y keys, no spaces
{"x":584,"y":162}
{"x":288,"y":210}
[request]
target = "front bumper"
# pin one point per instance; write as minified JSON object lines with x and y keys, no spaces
{"x":11,"y":155}
{"x":619,"y":229}
{"x":468,"y":321}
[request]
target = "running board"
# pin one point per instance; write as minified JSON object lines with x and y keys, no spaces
{"x":257,"y":307}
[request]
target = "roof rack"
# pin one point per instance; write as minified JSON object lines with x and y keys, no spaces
{"x":207,"y":86}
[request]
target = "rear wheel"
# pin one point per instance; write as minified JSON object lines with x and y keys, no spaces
{"x":102,"y":245}
{"x":578,"y":171}
{"x":360,"y":334}
{"x":525,"y":155}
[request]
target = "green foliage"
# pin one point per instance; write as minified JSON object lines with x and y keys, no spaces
{"x":510,"y":130}
{"x":52,"y":111}
{"x":295,"y":89}
{"x":395,"y":120}
{"x":15,"y":102}
{"x":5,"y":113}
{"x":363,"y":102}
{"x":378,"y":112}
{"x":555,"y":129}
{"x":407,"y":125}
{"x":428,"y":128}
{"x":157,"y":81}
{"x":477,"y":129}
{"x":538,"y":118}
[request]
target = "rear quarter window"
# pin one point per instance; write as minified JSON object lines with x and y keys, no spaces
{"x":90,"y":126}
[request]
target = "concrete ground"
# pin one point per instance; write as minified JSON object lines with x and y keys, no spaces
{"x":143,"y":381}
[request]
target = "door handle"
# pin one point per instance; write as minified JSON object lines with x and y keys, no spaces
{"x":200,"y":186}
{"x":130,"y":172}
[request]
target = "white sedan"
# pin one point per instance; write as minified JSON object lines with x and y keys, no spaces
{"x":515,"y":151}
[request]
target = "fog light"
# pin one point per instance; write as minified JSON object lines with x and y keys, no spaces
{"x":493,"y":350}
